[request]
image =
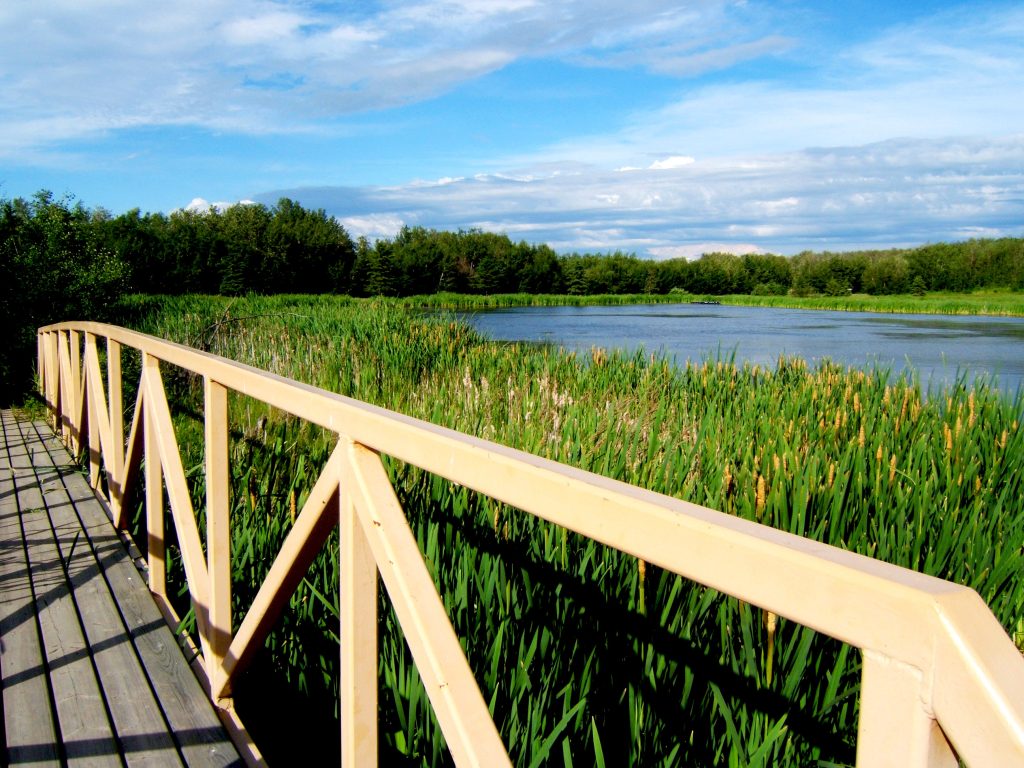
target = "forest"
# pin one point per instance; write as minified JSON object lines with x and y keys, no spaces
{"x":62,"y":260}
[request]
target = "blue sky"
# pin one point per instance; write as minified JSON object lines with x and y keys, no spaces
{"x":659,"y":128}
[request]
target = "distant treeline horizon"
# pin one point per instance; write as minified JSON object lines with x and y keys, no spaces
{"x":61,"y":260}
{"x":285,"y":248}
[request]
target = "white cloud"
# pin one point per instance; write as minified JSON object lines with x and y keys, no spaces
{"x":372,"y":226}
{"x":961,"y":74}
{"x":696,"y":250}
{"x":676,"y":161}
{"x":284,"y":65}
{"x":200,"y":205}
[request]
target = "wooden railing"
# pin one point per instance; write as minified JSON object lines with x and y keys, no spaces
{"x":941,"y":679}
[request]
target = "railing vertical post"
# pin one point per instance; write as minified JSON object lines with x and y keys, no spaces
{"x":115,"y":462}
{"x":52,"y":380}
{"x":218,"y":532}
{"x":75,"y":349}
{"x":154,"y":489}
{"x":896,"y":730}
{"x":90,"y":409}
{"x":358,"y":635}
{"x":67,"y":390}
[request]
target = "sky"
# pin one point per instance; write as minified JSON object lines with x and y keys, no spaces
{"x":663,"y":129}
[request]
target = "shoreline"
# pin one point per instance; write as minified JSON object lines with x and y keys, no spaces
{"x":990,"y":304}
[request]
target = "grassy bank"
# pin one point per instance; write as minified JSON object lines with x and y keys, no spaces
{"x":1004,"y":303}
{"x":586,"y":656}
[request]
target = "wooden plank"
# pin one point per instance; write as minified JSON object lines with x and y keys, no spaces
{"x":194,"y":725}
{"x":137,"y":718}
{"x":28,"y":720}
{"x":83,"y":726}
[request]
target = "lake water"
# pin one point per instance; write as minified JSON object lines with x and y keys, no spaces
{"x":937,"y":347}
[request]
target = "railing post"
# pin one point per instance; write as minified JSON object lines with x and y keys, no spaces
{"x":154,"y":489}
{"x":358,"y":634}
{"x":115,"y":462}
{"x":91,"y":408}
{"x":75,"y":350}
{"x":67,"y":390}
{"x":51,"y":380}
{"x":218,"y":535}
{"x":896,"y":730}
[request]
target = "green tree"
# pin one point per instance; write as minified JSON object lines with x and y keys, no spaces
{"x":53,"y":267}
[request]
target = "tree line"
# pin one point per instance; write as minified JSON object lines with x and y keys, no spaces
{"x":62,"y":260}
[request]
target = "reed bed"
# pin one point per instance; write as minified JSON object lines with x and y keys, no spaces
{"x":586,"y":655}
{"x":996,"y":303}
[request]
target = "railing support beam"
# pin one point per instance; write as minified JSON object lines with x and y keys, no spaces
{"x":218,"y":536}
{"x":896,"y":730}
{"x":358,"y":592}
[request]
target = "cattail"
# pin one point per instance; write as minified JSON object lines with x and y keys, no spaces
{"x":949,"y":438}
{"x":291,"y":504}
{"x":641,"y":569}
{"x":972,"y":417}
{"x":856,"y":402}
{"x":839,"y":419}
{"x":860,"y":436}
{"x":977,"y":484}
{"x":727,"y":480}
{"x":831,"y":473}
{"x":771,"y":623}
{"x":759,"y":499}
{"x":878,"y":454}
{"x":892,"y":467}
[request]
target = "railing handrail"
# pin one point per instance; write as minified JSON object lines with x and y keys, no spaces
{"x":938,"y":667}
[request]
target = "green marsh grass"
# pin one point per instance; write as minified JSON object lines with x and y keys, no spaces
{"x":585,"y":655}
{"x":1000,"y":303}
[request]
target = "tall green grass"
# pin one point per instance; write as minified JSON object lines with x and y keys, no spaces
{"x":999,"y":303}
{"x":585,"y":655}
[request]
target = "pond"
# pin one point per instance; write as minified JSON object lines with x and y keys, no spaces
{"x":938,"y":348}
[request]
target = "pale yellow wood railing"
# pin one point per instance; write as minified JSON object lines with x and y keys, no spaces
{"x":941,"y":678}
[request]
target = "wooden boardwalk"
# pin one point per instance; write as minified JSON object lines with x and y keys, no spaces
{"x":91,"y":673}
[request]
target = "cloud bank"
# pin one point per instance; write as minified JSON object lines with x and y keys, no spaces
{"x":890,"y":193}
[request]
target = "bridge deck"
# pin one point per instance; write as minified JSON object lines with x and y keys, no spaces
{"x":91,"y":673}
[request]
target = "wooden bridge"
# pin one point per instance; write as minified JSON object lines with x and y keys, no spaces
{"x":942,"y":681}
{"x":92,"y":674}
